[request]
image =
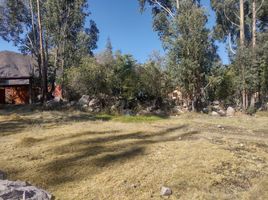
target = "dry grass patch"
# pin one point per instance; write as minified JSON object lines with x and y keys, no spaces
{"x":78,"y":156}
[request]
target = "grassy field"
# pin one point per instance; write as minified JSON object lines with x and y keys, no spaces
{"x":75,"y":155}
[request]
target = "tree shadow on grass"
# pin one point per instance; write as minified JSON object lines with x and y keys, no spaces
{"x":16,"y":124}
{"x":88,"y":157}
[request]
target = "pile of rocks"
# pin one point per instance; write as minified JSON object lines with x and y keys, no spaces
{"x":90,"y":104}
{"x":54,"y":103}
{"x":151,"y":110}
{"x":217,"y":110}
{"x":11,"y":190}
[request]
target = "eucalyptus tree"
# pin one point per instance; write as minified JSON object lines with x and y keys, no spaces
{"x":47,"y":29}
{"x":181,"y":25}
{"x":239,"y":23}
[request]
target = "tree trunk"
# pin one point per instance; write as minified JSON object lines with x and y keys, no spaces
{"x":242,"y":44}
{"x":254,"y":13}
{"x":42,"y":54}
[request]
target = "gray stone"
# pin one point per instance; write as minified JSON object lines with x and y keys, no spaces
{"x":216,"y":103}
{"x":84,"y":100}
{"x":222,"y":113}
{"x":215,"y":114}
{"x":127,"y":112}
{"x":93,"y":103}
{"x":144,"y":113}
{"x":52,"y":104}
{"x":165,"y":191}
{"x":71,"y":103}
{"x":57,"y":99}
{"x":205,"y":110}
{"x":159,"y":112}
{"x":17,"y":190}
{"x":216,"y":108}
{"x":230,"y":111}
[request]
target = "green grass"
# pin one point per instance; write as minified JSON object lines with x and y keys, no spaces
{"x":130,"y":119}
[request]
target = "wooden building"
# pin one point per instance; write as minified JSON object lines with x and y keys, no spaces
{"x":16,"y":74}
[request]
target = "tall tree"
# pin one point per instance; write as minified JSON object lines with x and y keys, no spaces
{"x":239,"y":22}
{"x":48,"y":27}
{"x":181,"y":27}
{"x":106,"y":57}
{"x":42,"y":53}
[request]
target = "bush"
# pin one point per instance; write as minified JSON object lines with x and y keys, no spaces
{"x":87,"y":78}
{"x":251,"y":110}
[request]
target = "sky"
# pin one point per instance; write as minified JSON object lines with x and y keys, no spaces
{"x":129,"y":30}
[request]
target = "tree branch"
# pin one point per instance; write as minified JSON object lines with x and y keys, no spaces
{"x":163,"y":7}
{"x":260,"y":6}
{"x":230,"y":43}
{"x":233,"y":23}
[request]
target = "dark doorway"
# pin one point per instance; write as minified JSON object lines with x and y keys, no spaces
{"x":2,"y":96}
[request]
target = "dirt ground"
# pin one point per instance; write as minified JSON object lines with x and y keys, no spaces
{"x":75,"y":155}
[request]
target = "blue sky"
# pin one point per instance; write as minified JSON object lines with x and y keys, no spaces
{"x":129,"y":30}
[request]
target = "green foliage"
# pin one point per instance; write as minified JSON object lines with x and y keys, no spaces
{"x":87,"y":78}
{"x":126,"y":80}
{"x":262,"y":61}
{"x":222,"y":84}
{"x":251,"y":110}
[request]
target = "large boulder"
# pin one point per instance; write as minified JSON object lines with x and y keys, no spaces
{"x":222,"y":113}
{"x":215,"y":114}
{"x":216,"y":103}
{"x":230,"y":111}
{"x":53,"y":103}
{"x":16,"y":190}
{"x":84,"y":100}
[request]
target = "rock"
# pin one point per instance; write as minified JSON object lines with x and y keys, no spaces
{"x":205,"y":110}
{"x":144,"y":112}
{"x":84,"y":100}
{"x":52,"y":104}
{"x":113,"y":109}
{"x":178,"y":110}
{"x":84,"y":106}
{"x":57,"y":99}
{"x":93,"y":103}
{"x":127,"y":112}
{"x":230,"y":111}
{"x":159,"y":112}
{"x":215,"y":114}
{"x":165,"y":191}
{"x":71,"y":103}
{"x":216,"y":108}
{"x":2,"y":175}
{"x":222,"y":113}
{"x":13,"y":190}
{"x":216,"y":103}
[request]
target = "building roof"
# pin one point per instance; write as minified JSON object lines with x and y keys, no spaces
{"x":15,"y":65}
